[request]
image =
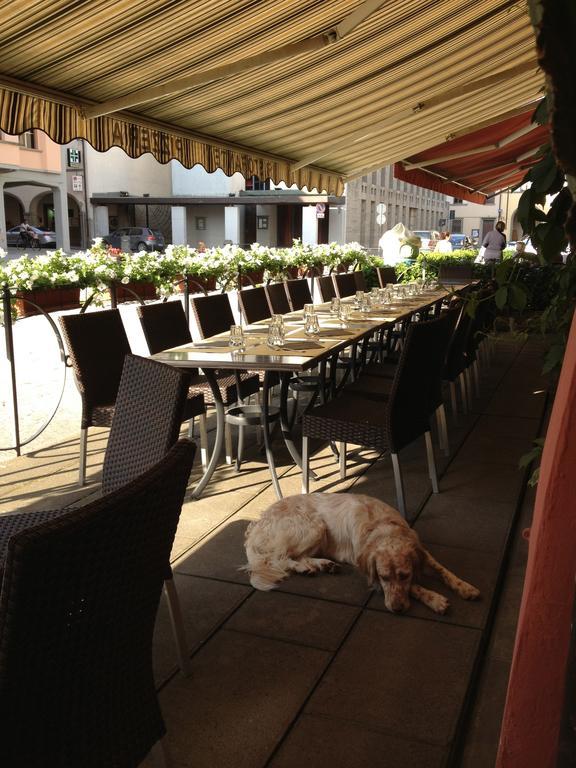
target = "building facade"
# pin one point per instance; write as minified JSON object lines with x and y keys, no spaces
{"x":476,"y":220}
{"x":415,"y":207}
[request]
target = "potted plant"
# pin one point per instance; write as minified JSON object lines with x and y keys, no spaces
{"x":50,"y":281}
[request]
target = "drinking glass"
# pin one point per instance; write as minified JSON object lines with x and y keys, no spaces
{"x":359,"y":298}
{"x":275,"y":334}
{"x":344,"y":313}
{"x":311,"y":325}
{"x":334,"y":305}
{"x":236,"y":336}
{"x":308,"y":310}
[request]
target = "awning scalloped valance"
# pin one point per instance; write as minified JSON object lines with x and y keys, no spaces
{"x":20,"y":112}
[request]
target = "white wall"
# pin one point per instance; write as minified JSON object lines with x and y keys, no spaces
{"x":114,"y":171}
{"x":196,"y":181}
{"x":214,"y":234}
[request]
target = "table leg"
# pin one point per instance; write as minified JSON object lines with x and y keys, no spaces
{"x":266,"y":431}
{"x":220,"y":416}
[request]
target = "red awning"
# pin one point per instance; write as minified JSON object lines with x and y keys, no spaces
{"x":480,"y":163}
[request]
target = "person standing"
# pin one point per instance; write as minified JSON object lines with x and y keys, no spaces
{"x":494,"y":243}
{"x":443,"y":245}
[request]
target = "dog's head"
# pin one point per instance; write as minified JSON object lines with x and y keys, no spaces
{"x":393,"y":568}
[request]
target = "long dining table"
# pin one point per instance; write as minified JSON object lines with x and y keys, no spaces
{"x":297,"y":354}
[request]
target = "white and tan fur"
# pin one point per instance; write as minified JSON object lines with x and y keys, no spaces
{"x":313,"y":532}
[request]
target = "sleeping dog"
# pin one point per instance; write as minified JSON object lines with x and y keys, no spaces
{"x":308,"y":533}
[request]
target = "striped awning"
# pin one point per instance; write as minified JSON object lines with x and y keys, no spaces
{"x":299,"y":91}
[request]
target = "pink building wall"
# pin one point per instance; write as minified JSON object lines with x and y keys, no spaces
{"x":46,"y":156}
{"x":531,"y":723}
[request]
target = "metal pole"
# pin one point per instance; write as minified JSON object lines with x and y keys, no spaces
{"x":7,"y":308}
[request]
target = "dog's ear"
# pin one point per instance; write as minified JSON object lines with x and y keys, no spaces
{"x":367,"y":566}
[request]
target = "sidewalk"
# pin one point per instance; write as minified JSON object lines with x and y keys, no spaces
{"x":318,"y":672}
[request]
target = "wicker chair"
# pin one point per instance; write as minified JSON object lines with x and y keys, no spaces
{"x":298,"y":293}
{"x":277,"y":299}
{"x":391,"y":419}
{"x":449,"y":274}
{"x":345,"y":284}
{"x":97,"y":345}
{"x":78,"y":605}
{"x":359,"y":280}
{"x":326,"y":288}
{"x":386,"y":276}
{"x":165,"y":326}
{"x":254,"y":304}
{"x":151,"y":405}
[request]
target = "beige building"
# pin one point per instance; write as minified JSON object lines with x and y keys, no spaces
{"x":475,"y":220}
{"x":415,"y":207}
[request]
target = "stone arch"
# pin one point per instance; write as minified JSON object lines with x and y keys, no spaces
{"x":42,"y":212}
{"x":14,"y":210}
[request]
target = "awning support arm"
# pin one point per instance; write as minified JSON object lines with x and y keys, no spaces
{"x":180,"y":84}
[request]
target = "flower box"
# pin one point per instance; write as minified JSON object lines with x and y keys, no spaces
{"x":141,"y":288}
{"x":194,"y":281}
{"x":252,"y":277}
{"x":50,"y":299}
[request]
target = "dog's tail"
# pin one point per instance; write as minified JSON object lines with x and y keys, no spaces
{"x":265,"y":574}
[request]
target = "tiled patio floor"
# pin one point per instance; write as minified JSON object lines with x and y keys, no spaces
{"x":318,"y":672}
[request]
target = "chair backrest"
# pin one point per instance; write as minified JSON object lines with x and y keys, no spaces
{"x":456,"y":359}
{"x":359,"y":280}
{"x":326,"y":287}
{"x":277,"y":299}
{"x":298,"y":293}
{"x":97,"y":345}
{"x":416,"y":380}
{"x":386,"y":276}
{"x":77,"y":610}
{"x":164,"y":325}
{"x":345,"y":284}
{"x":147,"y":418}
{"x":455,"y":273}
{"x":213,"y":313}
{"x":254,"y":304}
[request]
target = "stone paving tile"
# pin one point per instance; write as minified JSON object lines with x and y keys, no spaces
{"x":484,"y":726}
{"x":475,"y":567}
{"x":219,"y":555}
{"x":517,"y":427}
{"x":492,"y":449}
{"x":511,"y":402}
{"x":347,"y":586}
{"x":466,"y":523}
{"x":340,"y":744}
{"x":242,"y":695}
{"x":297,"y":619}
{"x":482,"y":481}
{"x":401,"y":675}
{"x":205,"y":604}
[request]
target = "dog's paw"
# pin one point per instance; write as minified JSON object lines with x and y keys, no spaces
{"x":439,"y":604}
{"x":329,"y":566}
{"x":467,"y":591}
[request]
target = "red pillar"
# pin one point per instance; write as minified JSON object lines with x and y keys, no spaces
{"x":531,"y":722}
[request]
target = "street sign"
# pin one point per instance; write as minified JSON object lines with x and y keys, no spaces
{"x":320,"y":210}
{"x":77,"y":185}
{"x":74,"y":157}
{"x":380,"y":218}
{"x":381,"y":209}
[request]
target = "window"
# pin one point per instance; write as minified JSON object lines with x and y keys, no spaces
{"x":200,"y":222}
{"x":458,"y":201}
{"x":262,"y":222}
{"x":27,"y":140}
{"x":456,"y":226}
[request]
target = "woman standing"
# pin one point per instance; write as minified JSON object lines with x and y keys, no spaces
{"x":494,"y":243}
{"x":443,"y":245}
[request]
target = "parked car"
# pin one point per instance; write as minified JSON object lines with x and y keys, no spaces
{"x":460,"y":242}
{"x":429,"y":239}
{"x":37,"y":238}
{"x":141,"y":238}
